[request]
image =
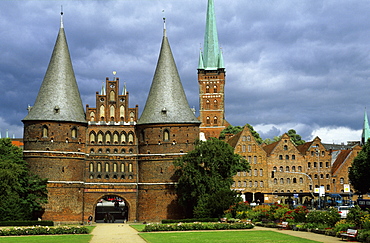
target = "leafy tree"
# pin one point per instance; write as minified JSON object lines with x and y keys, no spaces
{"x":22,"y":193}
{"x":255,"y":134}
{"x":205,"y":177}
{"x":297,"y":139}
{"x":230,"y":130}
{"x":358,"y":173}
{"x":270,"y":141}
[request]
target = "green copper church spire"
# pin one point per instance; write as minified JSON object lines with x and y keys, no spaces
{"x":212,"y":57}
{"x":365,"y":130}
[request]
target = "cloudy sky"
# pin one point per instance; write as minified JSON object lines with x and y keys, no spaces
{"x":294,"y":64}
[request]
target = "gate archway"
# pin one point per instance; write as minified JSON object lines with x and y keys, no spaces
{"x":111,"y":209}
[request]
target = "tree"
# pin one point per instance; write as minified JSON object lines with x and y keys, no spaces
{"x":255,"y":134}
{"x":230,"y":130}
{"x":22,"y":192}
{"x":359,"y":172}
{"x":297,"y":139}
{"x":205,"y":177}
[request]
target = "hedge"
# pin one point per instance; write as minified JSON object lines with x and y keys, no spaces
{"x":171,"y":221}
{"x":43,"y":230}
{"x":196,"y":226}
{"x":26,"y":223}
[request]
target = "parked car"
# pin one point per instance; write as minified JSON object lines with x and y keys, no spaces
{"x":343,"y":211}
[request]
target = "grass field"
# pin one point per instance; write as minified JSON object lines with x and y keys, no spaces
{"x":49,"y":238}
{"x":222,"y":236}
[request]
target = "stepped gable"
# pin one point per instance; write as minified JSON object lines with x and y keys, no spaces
{"x":269,"y":148}
{"x":166,"y":102}
{"x":58,"y":98}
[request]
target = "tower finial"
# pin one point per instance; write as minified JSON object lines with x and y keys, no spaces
{"x":164,"y":24}
{"x":61,"y":16}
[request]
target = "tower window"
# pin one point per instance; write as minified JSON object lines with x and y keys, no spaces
{"x":45,"y":132}
{"x":166,"y":135}
{"x":74,"y":132}
{"x":207,"y":89}
{"x":215,"y":89}
{"x":215,"y":120}
{"x":208,"y":120}
{"x":215,"y":104}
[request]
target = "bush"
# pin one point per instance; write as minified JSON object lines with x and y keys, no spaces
{"x":26,"y":223}
{"x":354,"y":216}
{"x":342,"y":226}
{"x":170,"y":221}
{"x":328,"y":218}
{"x":195,"y":226}
{"x":43,"y":230}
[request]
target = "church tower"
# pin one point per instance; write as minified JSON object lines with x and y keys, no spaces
{"x":166,"y":129}
{"x":55,"y":133}
{"x":211,"y":80}
{"x":366,"y":130}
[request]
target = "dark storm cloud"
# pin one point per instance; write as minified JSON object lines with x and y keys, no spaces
{"x":290,"y":64}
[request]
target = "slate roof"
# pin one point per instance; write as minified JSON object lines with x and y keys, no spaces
{"x":166,"y":102}
{"x":58,"y":98}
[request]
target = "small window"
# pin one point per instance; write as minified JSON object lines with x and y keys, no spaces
{"x":130,"y":167}
{"x":91,"y":167}
{"x":45,"y":132}
{"x":166,"y":135}
{"x":106,"y":167}
{"x":74,"y":132}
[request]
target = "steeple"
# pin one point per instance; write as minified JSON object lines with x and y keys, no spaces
{"x":366,"y":129}
{"x":212,"y":57}
{"x":166,"y":102}
{"x":58,"y":98}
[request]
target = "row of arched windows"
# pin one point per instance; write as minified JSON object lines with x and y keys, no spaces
{"x":215,"y":120}
{"x":316,"y":163}
{"x":111,"y":114}
{"x":107,"y":176}
{"x":286,"y":157}
{"x":109,"y":138}
{"x":287,"y":169}
{"x":109,"y":151}
{"x":45,"y":132}
{"x":288,"y":180}
{"x":110,"y":167}
{"x":255,"y":172}
{"x":248,"y":184}
{"x":208,"y":104}
{"x":208,"y":89}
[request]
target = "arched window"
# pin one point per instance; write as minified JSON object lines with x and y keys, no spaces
{"x":300,"y":168}
{"x":102,"y":111}
{"x":166,"y":135}
{"x":92,"y":116}
{"x":287,"y":157}
{"x":281,"y":181}
{"x":287,"y":168}
{"x":100,"y":138}
{"x":215,"y":89}
{"x":122,"y":112}
{"x":45,"y":132}
{"x":215,"y":120}
{"x":261,"y":183}
{"x":255,"y":172}
{"x":115,"y":167}
{"x":261,"y":172}
{"x":285,"y":147}
{"x":112,"y":95}
{"x":281,"y":169}
{"x":293,"y":157}
{"x":208,"y":121}
{"x":122,"y":167}
{"x":274,"y":169}
{"x":111,"y":112}
{"x":91,"y":167}
{"x":293,"y":168}
{"x":280,"y":157}
{"x":106,"y":167}
{"x":130,"y":138}
{"x":309,"y":165}
{"x":294,"y":180}
{"x":130,"y":167}
{"x":123,"y":138}
{"x":98,"y":167}
{"x":215,"y":104}
{"x":288,"y":181}
{"x":207,"y":88}
{"x":92,"y":137}
{"x":74,"y":132}
{"x":115,"y":138}
{"x":207,"y":104}
{"x":275,"y":181}
{"x":132,"y":116}
{"x":300,"y":180}
{"x":341,"y":180}
{"x":107,"y":138}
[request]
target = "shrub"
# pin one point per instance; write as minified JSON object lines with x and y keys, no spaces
{"x":43,"y":230}
{"x":365,"y":221}
{"x":328,"y":218}
{"x":169,"y":221}
{"x":354,"y":216}
{"x":195,"y":226}
{"x":342,"y":226}
{"x":297,"y":215}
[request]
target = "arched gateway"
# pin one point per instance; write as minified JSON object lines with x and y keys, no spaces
{"x":111,"y":209}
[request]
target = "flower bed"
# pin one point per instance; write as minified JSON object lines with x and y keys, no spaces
{"x":43,"y":230}
{"x":196,"y":226}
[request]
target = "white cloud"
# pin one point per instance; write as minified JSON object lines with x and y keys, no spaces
{"x":336,"y":135}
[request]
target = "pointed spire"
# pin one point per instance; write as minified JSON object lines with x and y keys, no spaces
{"x":102,"y":91}
{"x":366,"y":129}
{"x":61,"y":17}
{"x":58,"y":98}
{"x":200,"y":62}
{"x":166,"y":102}
{"x":211,"y":51}
{"x":124,"y":90}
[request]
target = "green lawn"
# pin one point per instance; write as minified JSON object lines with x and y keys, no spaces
{"x":47,"y":239}
{"x":221,"y":236}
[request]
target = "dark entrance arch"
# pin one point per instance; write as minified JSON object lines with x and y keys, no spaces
{"x":111,"y":209}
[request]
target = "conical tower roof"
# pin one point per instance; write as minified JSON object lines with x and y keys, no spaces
{"x":58,"y":98}
{"x":166,"y":102}
{"x":212,"y":57}
{"x":366,"y":130}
